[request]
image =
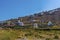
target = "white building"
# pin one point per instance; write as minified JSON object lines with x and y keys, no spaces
{"x":20,"y":23}
{"x":35,"y":25}
{"x":50,"y":23}
{"x":9,"y":22}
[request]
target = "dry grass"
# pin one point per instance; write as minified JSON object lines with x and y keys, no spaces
{"x":30,"y":34}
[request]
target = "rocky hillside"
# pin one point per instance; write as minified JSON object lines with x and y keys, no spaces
{"x":41,"y":18}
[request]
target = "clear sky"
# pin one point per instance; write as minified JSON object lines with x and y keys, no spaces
{"x":17,"y":8}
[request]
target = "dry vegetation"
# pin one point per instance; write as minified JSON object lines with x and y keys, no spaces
{"x":29,"y":34}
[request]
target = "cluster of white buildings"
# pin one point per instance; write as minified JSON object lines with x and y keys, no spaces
{"x":35,"y":25}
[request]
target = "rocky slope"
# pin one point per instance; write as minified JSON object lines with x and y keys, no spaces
{"x":40,"y":18}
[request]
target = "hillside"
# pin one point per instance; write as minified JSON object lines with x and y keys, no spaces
{"x":41,"y":18}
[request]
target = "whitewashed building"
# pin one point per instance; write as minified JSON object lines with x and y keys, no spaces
{"x":50,"y":23}
{"x":35,"y":25}
{"x":9,"y":22}
{"x":20,"y":23}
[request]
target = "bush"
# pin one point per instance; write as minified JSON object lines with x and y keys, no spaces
{"x":28,"y":34}
{"x":47,"y":38}
{"x":56,"y":37}
{"x":5,"y":38}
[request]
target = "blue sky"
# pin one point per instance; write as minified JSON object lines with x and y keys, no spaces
{"x":18,"y":8}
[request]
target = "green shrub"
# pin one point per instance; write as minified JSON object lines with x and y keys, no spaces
{"x":47,"y":38}
{"x":56,"y":37}
{"x":5,"y":38}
